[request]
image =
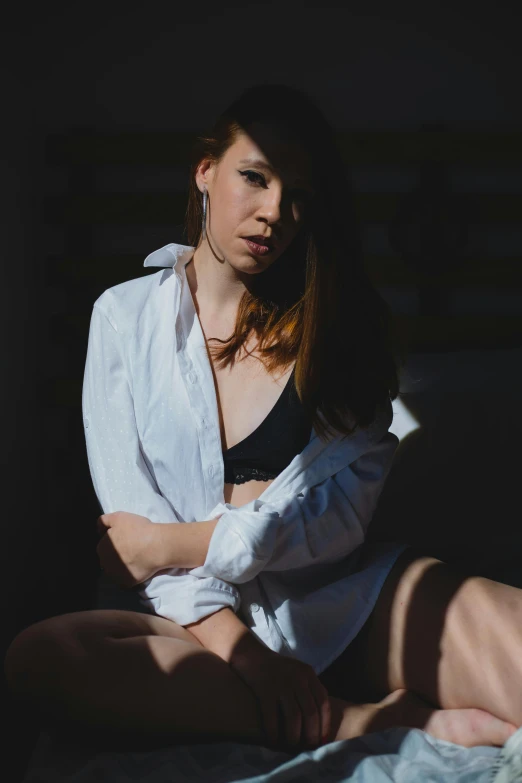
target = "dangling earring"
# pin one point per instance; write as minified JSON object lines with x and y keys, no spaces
{"x":204,"y":226}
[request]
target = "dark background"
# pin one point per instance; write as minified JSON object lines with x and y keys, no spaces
{"x":83,"y":86}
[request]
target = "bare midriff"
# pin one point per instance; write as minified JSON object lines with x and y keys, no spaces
{"x":239,"y":494}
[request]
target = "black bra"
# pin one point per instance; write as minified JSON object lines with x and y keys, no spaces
{"x":270,"y":448}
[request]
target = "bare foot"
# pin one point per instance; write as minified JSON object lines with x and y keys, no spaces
{"x":467,"y":727}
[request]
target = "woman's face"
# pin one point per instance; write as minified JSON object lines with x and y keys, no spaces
{"x":261,"y":187}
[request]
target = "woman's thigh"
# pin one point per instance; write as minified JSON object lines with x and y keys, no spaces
{"x":359,"y":673}
{"x":120,"y":624}
{"x":77,"y":632}
{"x":454,"y":639}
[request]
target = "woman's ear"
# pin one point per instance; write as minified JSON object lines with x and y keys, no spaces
{"x":204,"y":173}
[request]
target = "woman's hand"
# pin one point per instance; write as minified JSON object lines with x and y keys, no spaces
{"x":129,"y":550}
{"x":290,"y":689}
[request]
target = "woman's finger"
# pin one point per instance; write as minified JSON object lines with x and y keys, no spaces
{"x":110,"y":563}
{"x":322,"y":698}
{"x":102,"y":525}
{"x":103,"y":551}
{"x":311,"y":716}
{"x":293,"y":717}
{"x":268,"y":708}
{"x":100,"y":548}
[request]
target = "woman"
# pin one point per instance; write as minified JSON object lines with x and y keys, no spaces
{"x":245,"y":391}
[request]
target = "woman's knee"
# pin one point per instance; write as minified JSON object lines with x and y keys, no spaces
{"x":37,"y":654}
{"x":64,"y":636}
{"x":66,"y":643}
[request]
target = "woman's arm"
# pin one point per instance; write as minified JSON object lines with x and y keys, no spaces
{"x":225,"y":634}
{"x":132,"y":548}
{"x":321,"y":525}
{"x":120,"y":475}
{"x":184,"y":546}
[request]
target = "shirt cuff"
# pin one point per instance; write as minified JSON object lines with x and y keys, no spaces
{"x":242,"y":541}
{"x":185,"y":604}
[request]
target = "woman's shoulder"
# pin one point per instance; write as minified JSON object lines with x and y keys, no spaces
{"x":125,"y":304}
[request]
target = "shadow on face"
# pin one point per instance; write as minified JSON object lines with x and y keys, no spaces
{"x":261,"y":188}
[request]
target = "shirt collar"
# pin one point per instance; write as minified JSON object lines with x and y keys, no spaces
{"x":170,"y":255}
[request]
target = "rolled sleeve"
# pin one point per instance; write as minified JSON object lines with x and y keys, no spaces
{"x":122,"y":480}
{"x":320,"y":525}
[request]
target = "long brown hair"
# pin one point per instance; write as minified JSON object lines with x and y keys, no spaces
{"x":315,"y":304}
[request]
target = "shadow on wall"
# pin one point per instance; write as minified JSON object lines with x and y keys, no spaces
{"x":454,"y":486}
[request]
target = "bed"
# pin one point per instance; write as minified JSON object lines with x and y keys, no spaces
{"x":399,"y":755}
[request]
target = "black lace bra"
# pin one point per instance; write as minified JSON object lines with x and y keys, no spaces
{"x":270,"y":448}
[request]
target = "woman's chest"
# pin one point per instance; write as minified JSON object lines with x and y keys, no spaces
{"x":189,"y":411}
{"x":245,"y":394}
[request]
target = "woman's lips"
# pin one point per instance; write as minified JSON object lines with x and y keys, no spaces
{"x":259,"y":250}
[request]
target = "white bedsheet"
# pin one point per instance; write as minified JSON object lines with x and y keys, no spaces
{"x":398,"y":755}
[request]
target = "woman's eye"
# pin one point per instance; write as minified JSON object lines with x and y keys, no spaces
{"x":249,"y":174}
{"x":299,"y":194}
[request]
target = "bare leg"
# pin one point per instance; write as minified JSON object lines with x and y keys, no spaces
{"x":122,"y":673}
{"x":466,"y":727}
{"x":141,"y":680}
{"x":455,"y":641}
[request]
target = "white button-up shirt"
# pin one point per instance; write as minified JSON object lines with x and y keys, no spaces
{"x":287,"y":562}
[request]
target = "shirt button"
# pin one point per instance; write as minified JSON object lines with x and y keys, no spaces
{"x":192,"y":377}
{"x":211,"y":470}
{"x":87,"y":423}
{"x":254,"y":607}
